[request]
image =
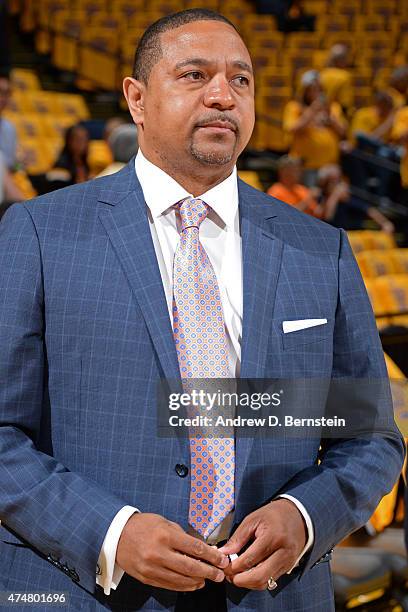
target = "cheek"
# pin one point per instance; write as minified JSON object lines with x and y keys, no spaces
{"x":169,"y":114}
{"x":248,"y":117}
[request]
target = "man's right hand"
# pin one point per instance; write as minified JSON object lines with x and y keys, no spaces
{"x":160,"y":553}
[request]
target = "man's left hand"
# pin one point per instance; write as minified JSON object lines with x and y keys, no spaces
{"x":278,"y":534}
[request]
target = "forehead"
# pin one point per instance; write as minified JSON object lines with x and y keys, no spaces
{"x":213,"y":40}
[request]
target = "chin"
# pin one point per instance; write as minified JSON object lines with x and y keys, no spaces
{"x":213,"y":155}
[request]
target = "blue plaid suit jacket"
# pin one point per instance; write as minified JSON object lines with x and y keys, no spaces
{"x":85,"y":335}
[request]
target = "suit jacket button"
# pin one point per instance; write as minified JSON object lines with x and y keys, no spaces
{"x":181,"y":470}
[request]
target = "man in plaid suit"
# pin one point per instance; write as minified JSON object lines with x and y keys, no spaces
{"x":93,"y":503}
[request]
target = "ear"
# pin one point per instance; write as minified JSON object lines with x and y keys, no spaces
{"x":134,"y":92}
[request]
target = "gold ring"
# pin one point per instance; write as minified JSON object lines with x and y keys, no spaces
{"x":272,"y":584}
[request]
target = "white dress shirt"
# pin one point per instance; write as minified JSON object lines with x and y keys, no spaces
{"x":220,"y":237}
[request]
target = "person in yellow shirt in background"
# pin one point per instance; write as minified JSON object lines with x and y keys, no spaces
{"x":374,"y":158}
{"x":290,"y":190}
{"x":375,"y":120}
{"x":314,"y":127}
{"x":337,"y":79}
{"x":398,"y":86}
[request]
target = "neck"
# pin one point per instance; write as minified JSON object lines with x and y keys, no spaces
{"x":196,"y":178}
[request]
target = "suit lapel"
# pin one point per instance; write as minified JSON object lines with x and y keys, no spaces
{"x":261,"y":261}
{"x":124,"y":217}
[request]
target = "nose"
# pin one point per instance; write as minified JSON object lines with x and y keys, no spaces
{"x":218,"y":94}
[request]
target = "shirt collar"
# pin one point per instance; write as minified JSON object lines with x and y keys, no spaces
{"x":161,"y":191}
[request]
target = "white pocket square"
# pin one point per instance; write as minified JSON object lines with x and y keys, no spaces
{"x":292,"y":326}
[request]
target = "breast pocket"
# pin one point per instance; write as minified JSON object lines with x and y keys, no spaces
{"x":296,"y":339}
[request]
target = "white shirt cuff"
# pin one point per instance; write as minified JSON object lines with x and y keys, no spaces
{"x":309,"y":526}
{"x":109,"y":574}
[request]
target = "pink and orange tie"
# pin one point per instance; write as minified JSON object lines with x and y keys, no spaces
{"x":201,"y":343}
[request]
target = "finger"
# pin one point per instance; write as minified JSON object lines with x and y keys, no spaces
{"x":188,"y":566}
{"x":257,"y":578}
{"x":258,"y":551}
{"x":184,"y":543}
{"x":239,"y":538}
{"x":167,"y":579}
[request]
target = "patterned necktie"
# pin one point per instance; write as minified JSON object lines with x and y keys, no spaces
{"x":201,"y":343}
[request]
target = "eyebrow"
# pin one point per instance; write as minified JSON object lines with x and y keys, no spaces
{"x":204,"y":63}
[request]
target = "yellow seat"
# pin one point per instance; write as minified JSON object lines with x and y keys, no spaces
{"x":262,"y":58}
{"x":43,"y":102}
{"x":375,"y":43}
{"x":29,"y":125}
{"x":272,"y":41}
{"x":103,"y":23}
{"x":66,"y":44}
{"x":98,"y":57}
{"x":257,"y":24}
{"x":356,"y":241}
{"x":378,"y":301}
{"x":130,"y":40}
{"x":303,"y":41}
{"x":316,"y":7}
{"x":271,"y":102}
{"x":272,"y":78}
{"x":348,"y":8}
{"x":143,"y":19}
{"x":21,"y":180}
{"x":251,"y":177}
{"x":362,"y":240}
{"x":393,"y":292}
{"x":399,"y":258}
{"x":372,"y":23}
{"x":164,"y":7}
{"x":381,"y":7}
{"x":72,"y":105}
{"x":376,"y":263}
{"x":268,"y":134}
{"x":99,"y":156}
{"x":332,"y":23}
{"x":19,"y":102}
{"x":128,"y":8}
{"x":298,"y":61}
{"x":39,"y":154}
{"x":385,"y":511}
{"x":378,"y":240}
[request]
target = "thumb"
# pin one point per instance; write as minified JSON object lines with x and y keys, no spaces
{"x":238,"y":540}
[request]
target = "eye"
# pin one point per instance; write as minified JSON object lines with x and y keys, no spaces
{"x":241,"y":81}
{"x":195,"y":75}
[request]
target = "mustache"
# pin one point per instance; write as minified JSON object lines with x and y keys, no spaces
{"x":212,"y":117}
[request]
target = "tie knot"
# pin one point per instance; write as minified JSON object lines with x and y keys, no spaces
{"x":193,"y":211}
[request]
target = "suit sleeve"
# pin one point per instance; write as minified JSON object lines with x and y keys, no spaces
{"x":341,"y":493}
{"x":63,"y":516}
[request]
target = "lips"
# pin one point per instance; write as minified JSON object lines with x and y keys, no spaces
{"x":221,"y":125}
